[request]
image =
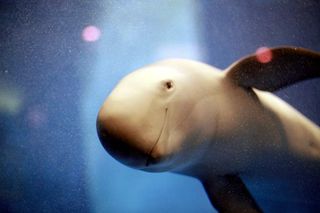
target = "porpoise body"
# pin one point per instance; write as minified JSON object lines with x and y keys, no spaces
{"x":190,"y":118}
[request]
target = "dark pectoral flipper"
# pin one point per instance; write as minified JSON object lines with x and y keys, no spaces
{"x":229,"y":194}
{"x":286,"y":66}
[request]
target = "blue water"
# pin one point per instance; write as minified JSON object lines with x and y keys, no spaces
{"x":54,"y":75}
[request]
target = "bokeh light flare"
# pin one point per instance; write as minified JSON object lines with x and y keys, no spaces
{"x":264,"y":55}
{"x":91,"y":33}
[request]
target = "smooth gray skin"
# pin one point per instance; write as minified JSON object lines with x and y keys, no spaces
{"x":190,"y":118}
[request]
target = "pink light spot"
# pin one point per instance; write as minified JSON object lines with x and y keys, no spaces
{"x":36,"y":117}
{"x":264,"y":55}
{"x":91,"y":33}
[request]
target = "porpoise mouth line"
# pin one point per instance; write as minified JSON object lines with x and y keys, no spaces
{"x":158,"y":139}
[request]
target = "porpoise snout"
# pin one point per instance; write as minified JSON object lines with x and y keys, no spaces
{"x":120,"y":139}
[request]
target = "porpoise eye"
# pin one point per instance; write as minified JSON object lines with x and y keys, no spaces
{"x":168,"y":84}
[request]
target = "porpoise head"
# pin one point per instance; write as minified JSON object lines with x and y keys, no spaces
{"x":148,"y":121}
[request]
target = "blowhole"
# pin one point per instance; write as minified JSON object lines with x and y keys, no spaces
{"x":169,"y":85}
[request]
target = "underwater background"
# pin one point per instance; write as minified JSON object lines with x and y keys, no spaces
{"x":60,"y":59}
